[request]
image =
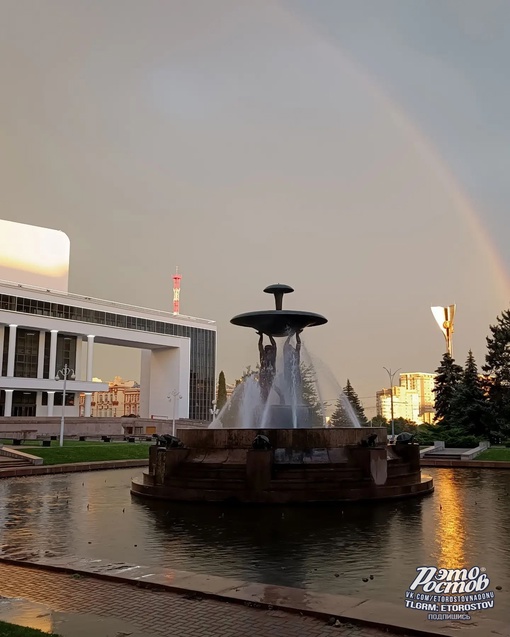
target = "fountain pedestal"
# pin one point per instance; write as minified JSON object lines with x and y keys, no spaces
{"x":301,"y":465}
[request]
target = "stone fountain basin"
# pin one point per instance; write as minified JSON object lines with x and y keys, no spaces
{"x":298,"y":439}
{"x":303,"y":466}
{"x":279,"y":322}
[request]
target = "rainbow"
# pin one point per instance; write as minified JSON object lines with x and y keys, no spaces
{"x":500,"y":278}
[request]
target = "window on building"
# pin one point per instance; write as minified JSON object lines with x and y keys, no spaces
{"x":26,"y":356}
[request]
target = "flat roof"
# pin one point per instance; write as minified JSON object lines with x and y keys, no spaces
{"x":68,"y":297}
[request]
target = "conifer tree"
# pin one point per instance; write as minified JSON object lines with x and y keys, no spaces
{"x":352,"y":397}
{"x":221,"y":397}
{"x":340,"y":417}
{"x":497,"y":368}
{"x":470,"y":408}
{"x":449,"y":375}
{"x":310,"y":396}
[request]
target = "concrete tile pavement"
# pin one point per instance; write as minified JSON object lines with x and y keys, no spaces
{"x":161,"y":613}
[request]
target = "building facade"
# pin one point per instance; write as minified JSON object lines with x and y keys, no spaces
{"x":406,"y":403}
{"x":122,"y":398}
{"x":47,"y":331}
{"x":423,"y":383}
{"x":41,"y":331}
{"x":413,"y":399}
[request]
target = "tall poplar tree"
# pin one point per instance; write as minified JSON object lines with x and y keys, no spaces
{"x":221,"y":397}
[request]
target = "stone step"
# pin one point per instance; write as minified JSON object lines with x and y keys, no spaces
{"x":443,"y":456}
{"x":9,"y":463}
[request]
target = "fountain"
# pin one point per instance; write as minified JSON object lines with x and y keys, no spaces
{"x":278,"y":400}
{"x":278,"y":454}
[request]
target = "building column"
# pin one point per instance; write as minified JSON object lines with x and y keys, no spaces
{"x":53,"y":354}
{"x":8,"y":403}
{"x":2,"y":335}
{"x":90,"y":356}
{"x":87,"y":412}
{"x":51,"y":402}
{"x":12,"y":351}
{"x":90,"y":361}
{"x":40,"y":354}
{"x":78,"y":360}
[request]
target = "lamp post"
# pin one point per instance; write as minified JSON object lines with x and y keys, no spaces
{"x":174,"y":395}
{"x":392,"y":376}
{"x":214,"y":411}
{"x":64,"y":373}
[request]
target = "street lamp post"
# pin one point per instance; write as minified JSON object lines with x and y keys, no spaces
{"x":175,"y":396}
{"x":392,"y":376}
{"x":64,"y":373}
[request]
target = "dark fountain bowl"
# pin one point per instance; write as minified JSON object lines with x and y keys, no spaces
{"x":278,"y":322}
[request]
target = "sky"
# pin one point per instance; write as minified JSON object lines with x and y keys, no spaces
{"x":356,"y":150}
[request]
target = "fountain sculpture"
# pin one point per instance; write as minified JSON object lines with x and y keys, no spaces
{"x":289,"y":411}
{"x":281,"y":458}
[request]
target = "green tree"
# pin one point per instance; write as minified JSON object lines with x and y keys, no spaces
{"x":470,"y":407}
{"x":340,"y":417}
{"x":378,"y":421}
{"x":497,"y":368}
{"x":352,"y":397}
{"x":221,"y":397}
{"x":448,"y":377}
{"x":249,"y":372}
{"x":310,"y":395}
{"x":403,"y":425}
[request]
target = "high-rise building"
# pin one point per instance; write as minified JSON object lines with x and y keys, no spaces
{"x":423,"y":383}
{"x":413,"y":399}
{"x":406,"y":403}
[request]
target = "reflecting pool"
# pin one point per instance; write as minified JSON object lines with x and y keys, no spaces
{"x":465,"y":522}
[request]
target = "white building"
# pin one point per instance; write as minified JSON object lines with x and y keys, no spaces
{"x":406,"y":403}
{"x":423,"y":383}
{"x":44,"y":327}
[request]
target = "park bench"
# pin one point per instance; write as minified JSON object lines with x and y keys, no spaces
{"x":111,"y":437}
{"x":17,"y":437}
{"x":139,"y":437}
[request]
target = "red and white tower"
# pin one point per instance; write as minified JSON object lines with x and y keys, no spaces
{"x":177,"y":289}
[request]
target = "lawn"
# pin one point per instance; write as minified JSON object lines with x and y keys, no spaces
{"x":74,"y":451}
{"x":495,"y":453}
{"x":12,"y":630}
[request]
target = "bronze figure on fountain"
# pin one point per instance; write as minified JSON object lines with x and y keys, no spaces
{"x":267,"y":365}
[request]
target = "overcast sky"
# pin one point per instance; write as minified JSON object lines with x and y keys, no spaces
{"x":333,"y":145}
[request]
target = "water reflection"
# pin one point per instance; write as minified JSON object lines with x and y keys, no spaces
{"x":328,"y":548}
{"x":451,"y":522}
{"x":281,"y":545}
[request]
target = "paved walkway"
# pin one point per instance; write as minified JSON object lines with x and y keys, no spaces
{"x":155,"y":613}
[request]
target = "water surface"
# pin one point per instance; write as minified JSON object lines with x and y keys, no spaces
{"x":325,"y":548}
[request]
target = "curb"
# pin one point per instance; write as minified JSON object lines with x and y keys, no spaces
{"x":465,"y":464}
{"x":381,"y":615}
{"x":74,"y":467}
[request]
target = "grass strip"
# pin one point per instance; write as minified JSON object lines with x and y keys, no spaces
{"x":13,"y":630}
